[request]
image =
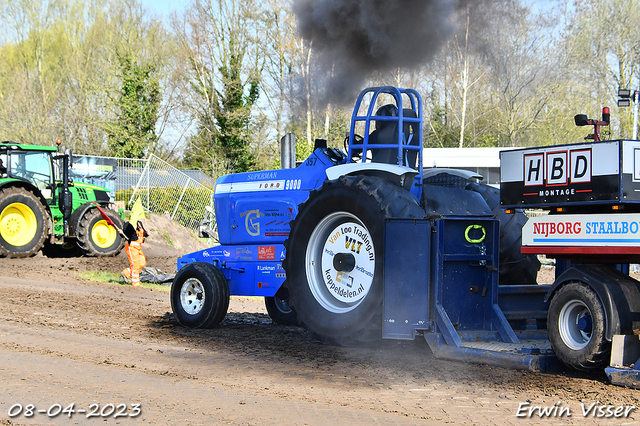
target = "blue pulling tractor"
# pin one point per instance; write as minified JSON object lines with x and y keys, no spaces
{"x":367,"y":245}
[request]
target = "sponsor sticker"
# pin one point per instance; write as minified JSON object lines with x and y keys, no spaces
{"x":243,"y":253}
{"x":252,"y":221}
{"x":350,"y":240}
{"x":582,"y":230}
{"x":266,"y":253}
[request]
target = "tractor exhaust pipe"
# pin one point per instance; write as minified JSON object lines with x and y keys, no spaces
{"x":66,"y":200}
{"x":288,"y":151}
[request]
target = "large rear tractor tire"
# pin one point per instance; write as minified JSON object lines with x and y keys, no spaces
{"x":576,"y":324}
{"x":24,"y":223}
{"x":515,"y":267}
{"x":199,"y":295}
{"x":96,"y":237}
{"x":335,"y":256}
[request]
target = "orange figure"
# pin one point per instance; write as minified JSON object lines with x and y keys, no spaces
{"x":133,"y":247}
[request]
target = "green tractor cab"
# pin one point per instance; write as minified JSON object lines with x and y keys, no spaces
{"x":41,"y":208}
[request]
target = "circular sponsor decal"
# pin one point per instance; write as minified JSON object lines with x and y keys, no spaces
{"x":349,"y":240}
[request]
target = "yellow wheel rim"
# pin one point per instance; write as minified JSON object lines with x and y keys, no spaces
{"x":18,"y":224}
{"x":103,"y":235}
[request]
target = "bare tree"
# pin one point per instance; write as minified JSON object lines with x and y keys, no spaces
{"x":518,"y":61}
{"x":283,"y":56}
{"x":604,"y":53}
{"x":58,"y":76}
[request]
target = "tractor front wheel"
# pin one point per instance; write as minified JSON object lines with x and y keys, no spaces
{"x":199,"y":295}
{"x":24,"y":223}
{"x":96,"y":237}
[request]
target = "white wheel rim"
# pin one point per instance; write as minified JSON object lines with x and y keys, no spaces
{"x":340,"y":291}
{"x":192,"y":296}
{"x":570,"y":332}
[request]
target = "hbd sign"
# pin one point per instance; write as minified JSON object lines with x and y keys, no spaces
{"x":556,"y":175}
{"x":557,"y":168}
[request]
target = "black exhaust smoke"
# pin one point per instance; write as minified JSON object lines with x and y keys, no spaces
{"x":355,"y":38}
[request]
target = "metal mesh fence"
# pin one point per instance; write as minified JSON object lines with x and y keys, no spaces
{"x":171,"y":192}
{"x":128,"y":175}
{"x":163,"y":189}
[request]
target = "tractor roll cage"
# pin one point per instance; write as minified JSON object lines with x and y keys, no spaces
{"x":405,"y":144}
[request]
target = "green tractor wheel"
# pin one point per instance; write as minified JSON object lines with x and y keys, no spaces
{"x":23,"y":223}
{"x":96,"y":237}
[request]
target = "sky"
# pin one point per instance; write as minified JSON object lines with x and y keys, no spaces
{"x":165,"y":7}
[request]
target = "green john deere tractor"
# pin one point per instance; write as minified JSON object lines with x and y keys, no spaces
{"x":41,"y":208}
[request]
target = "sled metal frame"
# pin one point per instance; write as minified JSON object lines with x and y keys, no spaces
{"x":625,"y":361}
{"x":445,"y":287}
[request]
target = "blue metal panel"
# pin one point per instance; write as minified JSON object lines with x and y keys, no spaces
{"x":251,"y":270}
{"x":256,"y":207}
{"x":407,"y":258}
{"x":443,"y":273}
{"x":624,"y":376}
{"x":465,"y":279}
{"x":524,"y":307}
{"x":469,"y":323}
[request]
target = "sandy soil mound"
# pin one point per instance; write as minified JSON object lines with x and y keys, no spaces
{"x":169,"y":238}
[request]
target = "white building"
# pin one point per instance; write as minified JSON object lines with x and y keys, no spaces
{"x":484,"y":161}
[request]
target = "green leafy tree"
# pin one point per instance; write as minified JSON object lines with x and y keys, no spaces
{"x":232,"y":114}
{"x":220,"y":145}
{"x":220,"y":45}
{"x":132,"y":134}
{"x":61,"y":77}
{"x":437,"y":132}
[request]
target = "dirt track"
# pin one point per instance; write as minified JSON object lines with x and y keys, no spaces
{"x":66,"y":340}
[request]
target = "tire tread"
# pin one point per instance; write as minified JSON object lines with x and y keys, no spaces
{"x":84,"y":234}
{"x":592,"y":356}
{"x":392,"y":201}
{"x":19,"y":192}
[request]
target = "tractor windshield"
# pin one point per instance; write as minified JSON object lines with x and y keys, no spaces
{"x":33,"y":166}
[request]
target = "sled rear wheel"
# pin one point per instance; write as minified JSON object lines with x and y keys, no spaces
{"x":576,"y":323}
